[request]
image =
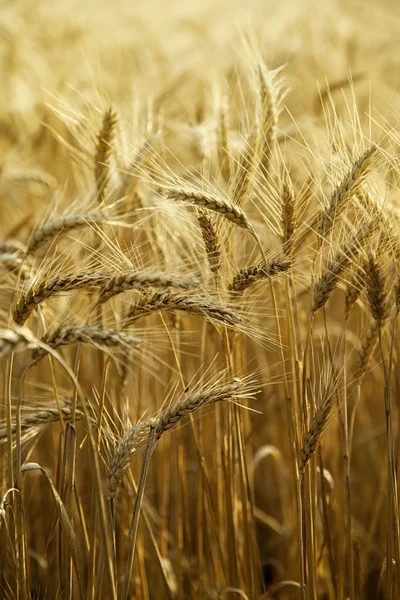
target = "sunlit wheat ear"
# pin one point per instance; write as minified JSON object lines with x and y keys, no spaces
{"x":191,"y":304}
{"x":13,"y":340}
{"x":72,"y":334}
{"x":218,"y":204}
{"x":102,"y":159}
{"x":269,"y":118}
{"x":210,"y":239}
{"x":369,"y":343}
{"x":353,"y":289}
{"x":223,"y":141}
{"x":36,"y":293}
{"x":289,"y":217}
{"x":33,"y":421}
{"x":13,"y":247}
{"x":15,"y":265}
{"x":332,"y":274}
{"x":349,"y":186}
{"x":134,"y":439}
{"x":223,"y":206}
{"x":143,"y":279}
{"x":376,"y":289}
{"x":250,"y":275}
{"x":50,"y":230}
{"x":245,"y":169}
{"x":312,"y":439}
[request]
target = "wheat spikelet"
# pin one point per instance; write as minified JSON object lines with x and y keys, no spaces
{"x":33,"y":421}
{"x":331,"y":275}
{"x":222,"y":206}
{"x":210,"y":239}
{"x":349,"y":186}
{"x":249,"y":275}
{"x":30,"y":176}
{"x":40,"y":291}
{"x":14,"y":264}
{"x":142,"y":279}
{"x":68,"y":223}
{"x":369,"y":343}
{"x":12,"y":340}
{"x":269,"y":119}
{"x":312,"y":439}
{"x":85,"y":334}
{"x":103,"y":153}
{"x":223,"y":136}
{"x":134,"y":438}
{"x":376,"y":289}
{"x":196,"y":305}
{"x":246,"y":168}
{"x":353,"y":290}
{"x":13,"y":247}
{"x":288,"y":219}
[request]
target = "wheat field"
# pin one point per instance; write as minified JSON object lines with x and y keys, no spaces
{"x":199,"y":300}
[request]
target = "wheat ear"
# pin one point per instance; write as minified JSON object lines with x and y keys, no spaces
{"x":143,"y":279}
{"x":33,"y":421}
{"x":289,"y":218}
{"x":331,"y":275}
{"x":249,"y":275}
{"x":210,"y":239}
{"x":47,"y":288}
{"x":134,"y":439}
{"x":103,"y":153}
{"x":193,"y":304}
{"x":269,"y":118}
{"x":85,"y":334}
{"x":68,"y":223}
{"x":312,"y":439}
{"x":349,"y":186}
{"x":12,"y":340}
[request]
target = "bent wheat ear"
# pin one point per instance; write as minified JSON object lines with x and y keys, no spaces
{"x":249,"y":275}
{"x":210,"y":239}
{"x":135,"y":438}
{"x":193,"y":304}
{"x":143,"y":279}
{"x":53,"y":228}
{"x":220,"y":205}
{"x":13,"y":247}
{"x":12,"y":340}
{"x":85,"y":334}
{"x":15,"y":264}
{"x":33,"y":421}
{"x":47,"y":288}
